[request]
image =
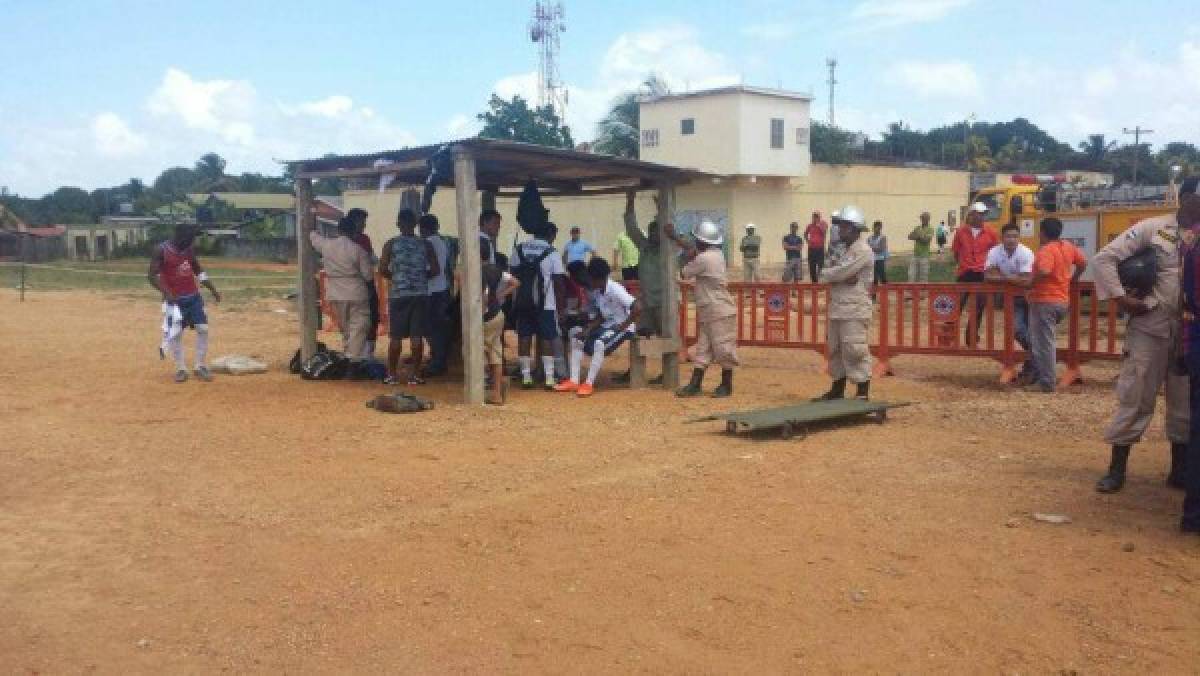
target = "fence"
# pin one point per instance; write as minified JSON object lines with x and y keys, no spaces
{"x":910,"y":319}
{"x":281,"y":249}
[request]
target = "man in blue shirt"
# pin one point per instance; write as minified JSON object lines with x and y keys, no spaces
{"x":576,"y":249}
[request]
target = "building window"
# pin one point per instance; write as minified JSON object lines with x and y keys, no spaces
{"x":650,"y":138}
{"x":801,"y":136}
{"x":776,"y":133}
{"x":687,"y":126}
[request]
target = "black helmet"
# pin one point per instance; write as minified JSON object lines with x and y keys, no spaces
{"x":1139,"y":272}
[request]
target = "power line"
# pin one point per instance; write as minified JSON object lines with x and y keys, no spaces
{"x":1137,"y":132}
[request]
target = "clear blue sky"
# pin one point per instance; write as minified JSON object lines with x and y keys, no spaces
{"x":96,"y":92}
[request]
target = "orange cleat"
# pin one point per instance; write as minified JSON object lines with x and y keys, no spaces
{"x":566,"y":385}
{"x":584,"y":390}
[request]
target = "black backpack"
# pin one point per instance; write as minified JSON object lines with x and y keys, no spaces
{"x":325,"y":366}
{"x":296,"y":365}
{"x":529,"y":298}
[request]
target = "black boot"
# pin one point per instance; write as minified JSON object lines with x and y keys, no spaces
{"x":1177,"y":477}
{"x":836,"y":391}
{"x":725,"y":389}
{"x":692,"y":389}
{"x":863,"y":390}
{"x":1115,"y":479}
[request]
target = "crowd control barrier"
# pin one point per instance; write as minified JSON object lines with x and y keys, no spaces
{"x":919,"y":319}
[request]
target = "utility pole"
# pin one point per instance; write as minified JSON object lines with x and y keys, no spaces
{"x":1137,"y":132}
{"x":832,"y":82}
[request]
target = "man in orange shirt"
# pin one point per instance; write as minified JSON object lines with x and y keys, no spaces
{"x":970,"y":248}
{"x":1056,"y":266}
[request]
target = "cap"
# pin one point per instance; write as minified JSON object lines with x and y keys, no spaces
{"x":980,"y":207}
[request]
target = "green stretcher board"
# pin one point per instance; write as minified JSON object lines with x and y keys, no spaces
{"x":795,"y":419}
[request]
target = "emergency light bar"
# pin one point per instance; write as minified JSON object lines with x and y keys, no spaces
{"x":1038,"y":179}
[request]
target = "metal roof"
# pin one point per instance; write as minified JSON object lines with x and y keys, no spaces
{"x":501,"y":164}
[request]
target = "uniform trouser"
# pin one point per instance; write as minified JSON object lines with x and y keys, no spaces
{"x":918,"y":269}
{"x":717,"y":343}
{"x":1147,"y":362}
{"x":439,"y":329}
{"x":816,"y":261}
{"x":1191,"y":499}
{"x":354,"y":316}
{"x":750,"y":270}
{"x":1043,"y":337}
{"x":849,"y":356}
{"x":793,"y":270}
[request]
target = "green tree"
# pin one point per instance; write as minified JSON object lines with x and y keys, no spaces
{"x":829,"y":144}
{"x":67,"y":205}
{"x":1095,"y":150}
{"x":515,"y":121}
{"x":979,"y":154}
{"x":210,"y":170}
{"x":175,"y":182}
{"x":617,"y":133}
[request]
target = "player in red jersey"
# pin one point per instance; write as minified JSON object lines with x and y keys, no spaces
{"x":174,"y":271}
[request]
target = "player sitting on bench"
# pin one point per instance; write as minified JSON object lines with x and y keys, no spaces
{"x":617,"y":312}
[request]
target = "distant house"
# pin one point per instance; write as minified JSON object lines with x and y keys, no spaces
{"x":99,"y":241}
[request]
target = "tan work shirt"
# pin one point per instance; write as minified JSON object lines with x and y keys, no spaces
{"x":849,"y":281}
{"x":713,"y":301}
{"x":348,"y":267}
{"x":1162,"y":233}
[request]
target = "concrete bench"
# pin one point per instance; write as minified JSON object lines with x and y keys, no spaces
{"x":640,"y":348}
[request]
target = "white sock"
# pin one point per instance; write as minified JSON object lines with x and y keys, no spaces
{"x":201,"y":345}
{"x":548,"y":368}
{"x":526,"y":367}
{"x":576,"y":359}
{"x":597,"y":360}
{"x":176,"y":346}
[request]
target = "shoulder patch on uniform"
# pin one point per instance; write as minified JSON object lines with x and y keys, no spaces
{"x":1169,"y":236}
{"x":1131,"y":234}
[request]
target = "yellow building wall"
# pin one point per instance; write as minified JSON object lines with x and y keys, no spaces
{"x":714,"y":147}
{"x":894,"y":195}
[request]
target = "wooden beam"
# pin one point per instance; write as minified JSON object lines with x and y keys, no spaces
{"x":394,"y":168}
{"x":466,"y":201}
{"x":305,"y":222}
{"x":670,"y":285}
{"x":614,"y":190}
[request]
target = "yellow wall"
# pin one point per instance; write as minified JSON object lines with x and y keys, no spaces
{"x":894,"y":195}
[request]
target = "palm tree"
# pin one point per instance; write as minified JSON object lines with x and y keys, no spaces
{"x":1096,"y":150}
{"x":617,"y":132}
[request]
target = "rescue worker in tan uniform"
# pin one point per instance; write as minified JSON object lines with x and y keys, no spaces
{"x":849,"y":278}
{"x":716,"y":313}
{"x":1151,"y":354}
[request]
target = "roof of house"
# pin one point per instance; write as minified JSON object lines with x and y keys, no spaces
{"x":506,"y":164}
{"x":47,"y":231}
{"x":248,"y":200}
{"x":734,"y":89}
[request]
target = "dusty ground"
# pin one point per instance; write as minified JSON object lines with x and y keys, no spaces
{"x":267,"y":524}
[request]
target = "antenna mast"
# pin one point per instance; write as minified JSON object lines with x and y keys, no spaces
{"x":832,"y":82}
{"x":547,"y":24}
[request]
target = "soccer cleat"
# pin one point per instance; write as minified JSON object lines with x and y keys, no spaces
{"x":527,"y":383}
{"x":550,"y":386}
{"x":584,"y":390}
{"x":181,"y":376}
{"x":203,"y":374}
{"x":566,"y":385}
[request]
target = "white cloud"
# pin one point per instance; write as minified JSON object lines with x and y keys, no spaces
{"x":334,"y":106}
{"x":114,"y":138}
{"x":887,"y":13}
{"x":1100,"y":82}
{"x":461,"y":126}
{"x":223,"y":106}
{"x":524,"y":85}
{"x":769,"y":31}
{"x":947,"y":79}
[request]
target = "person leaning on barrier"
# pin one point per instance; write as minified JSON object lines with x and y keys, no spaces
{"x":750,"y":247}
{"x":849,"y":279}
{"x":1150,"y":355}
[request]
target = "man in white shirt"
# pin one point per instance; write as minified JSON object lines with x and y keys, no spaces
{"x":537,"y":305}
{"x":439,"y":297}
{"x":617,"y":310}
{"x":1011,"y":262}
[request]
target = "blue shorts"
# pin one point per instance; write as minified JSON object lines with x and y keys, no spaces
{"x":543,"y":325}
{"x":192,"y":309}
{"x":609,"y":336}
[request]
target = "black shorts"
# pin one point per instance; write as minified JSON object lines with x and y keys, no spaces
{"x":629,"y":274}
{"x":408,"y":317}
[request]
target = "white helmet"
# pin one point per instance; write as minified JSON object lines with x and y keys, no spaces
{"x":979,"y":207}
{"x":850,"y":214}
{"x":709,"y":233}
{"x":749,"y":226}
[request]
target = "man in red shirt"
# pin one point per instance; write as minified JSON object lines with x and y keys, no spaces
{"x":970,"y":248}
{"x":174,"y":271}
{"x":1056,"y":266}
{"x":814,"y":234}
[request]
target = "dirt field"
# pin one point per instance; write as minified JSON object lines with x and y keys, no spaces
{"x":267,"y":524}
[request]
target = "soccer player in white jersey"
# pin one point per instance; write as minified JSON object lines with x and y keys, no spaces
{"x":617,"y":311}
